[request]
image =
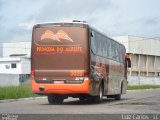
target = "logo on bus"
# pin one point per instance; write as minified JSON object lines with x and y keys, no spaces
{"x":48,"y":34}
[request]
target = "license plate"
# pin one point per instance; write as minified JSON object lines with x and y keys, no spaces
{"x":59,"y":82}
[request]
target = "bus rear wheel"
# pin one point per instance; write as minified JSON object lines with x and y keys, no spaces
{"x":81,"y":98}
{"x":51,"y":99}
{"x":99,"y":98}
{"x":117,"y":97}
{"x":55,"y":99}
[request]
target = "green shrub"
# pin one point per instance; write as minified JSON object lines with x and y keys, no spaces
{"x":143,"y":87}
{"x":15,"y":92}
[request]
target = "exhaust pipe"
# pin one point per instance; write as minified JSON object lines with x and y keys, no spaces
{"x":42,"y":88}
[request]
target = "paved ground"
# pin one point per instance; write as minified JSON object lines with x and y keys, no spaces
{"x":140,"y":101}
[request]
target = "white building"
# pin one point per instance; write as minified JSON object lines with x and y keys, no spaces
{"x":145,"y":58}
{"x":13,"y":71}
{"x":1,"y":50}
{"x":15,"y":63}
{"x":16,"y":49}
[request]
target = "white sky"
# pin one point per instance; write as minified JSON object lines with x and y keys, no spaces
{"x":112,"y":17}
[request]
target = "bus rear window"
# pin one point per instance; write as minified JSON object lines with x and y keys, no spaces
{"x":60,"y":47}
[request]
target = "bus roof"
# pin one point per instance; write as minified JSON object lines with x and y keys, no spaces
{"x":74,"y":22}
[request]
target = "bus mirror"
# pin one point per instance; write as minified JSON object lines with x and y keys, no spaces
{"x":128,"y":61}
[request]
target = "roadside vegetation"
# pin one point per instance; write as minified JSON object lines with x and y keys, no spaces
{"x":138,"y":87}
{"x":15,"y":92}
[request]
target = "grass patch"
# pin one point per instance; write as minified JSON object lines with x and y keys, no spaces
{"x":138,"y":87}
{"x":15,"y":92}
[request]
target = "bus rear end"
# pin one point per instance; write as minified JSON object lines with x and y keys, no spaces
{"x":60,"y":60}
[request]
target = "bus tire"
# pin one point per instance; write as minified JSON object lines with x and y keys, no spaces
{"x":99,"y":98}
{"x":81,"y":98}
{"x":55,"y":99}
{"x":51,"y":99}
{"x":59,"y":99}
{"x":117,"y":97}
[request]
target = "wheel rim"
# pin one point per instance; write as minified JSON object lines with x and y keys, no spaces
{"x":100,"y":93}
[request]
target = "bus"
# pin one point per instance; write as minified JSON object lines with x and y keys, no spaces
{"x":72,"y":59}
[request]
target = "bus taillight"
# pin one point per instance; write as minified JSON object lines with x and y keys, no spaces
{"x":86,"y":74}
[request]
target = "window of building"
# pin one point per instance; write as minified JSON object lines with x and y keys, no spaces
{"x":13,"y":65}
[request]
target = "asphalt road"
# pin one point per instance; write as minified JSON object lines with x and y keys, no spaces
{"x":134,"y":102}
{"x":139,"y":101}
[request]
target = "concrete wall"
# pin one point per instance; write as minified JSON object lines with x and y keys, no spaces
{"x":135,"y":80}
{"x":13,"y":76}
{"x":140,"y":45}
{"x":145,"y":65}
{"x":145,"y":70}
{"x":1,"y":50}
{"x":16,"y":48}
{"x":22,"y":66}
{"x":6,"y":66}
{"x":145,"y":59}
{"x":9,"y":80}
{"x":26,"y":66}
{"x":14,"y":53}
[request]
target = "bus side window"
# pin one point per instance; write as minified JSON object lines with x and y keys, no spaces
{"x":106,"y":50}
{"x":110,"y":49}
{"x":113,"y":52}
{"x":93,"y":44}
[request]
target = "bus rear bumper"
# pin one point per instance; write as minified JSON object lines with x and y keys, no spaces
{"x":40,"y":88}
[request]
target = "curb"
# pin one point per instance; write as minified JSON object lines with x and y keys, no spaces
{"x":22,"y":99}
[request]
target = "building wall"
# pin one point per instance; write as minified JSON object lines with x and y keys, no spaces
{"x":16,"y":48}
{"x":145,"y":70}
{"x":22,"y":66}
{"x":6,"y":67}
{"x":145,"y":58}
{"x":26,"y":66}
{"x":135,"y":80}
{"x":145,"y":65}
{"x":14,"y":76}
{"x":14,"y":53}
{"x":9,"y":80}
{"x":140,"y":45}
{"x":1,"y":50}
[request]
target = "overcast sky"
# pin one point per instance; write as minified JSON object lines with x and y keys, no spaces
{"x":112,"y":17}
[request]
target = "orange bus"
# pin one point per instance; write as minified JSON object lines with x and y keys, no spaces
{"x":72,"y":59}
